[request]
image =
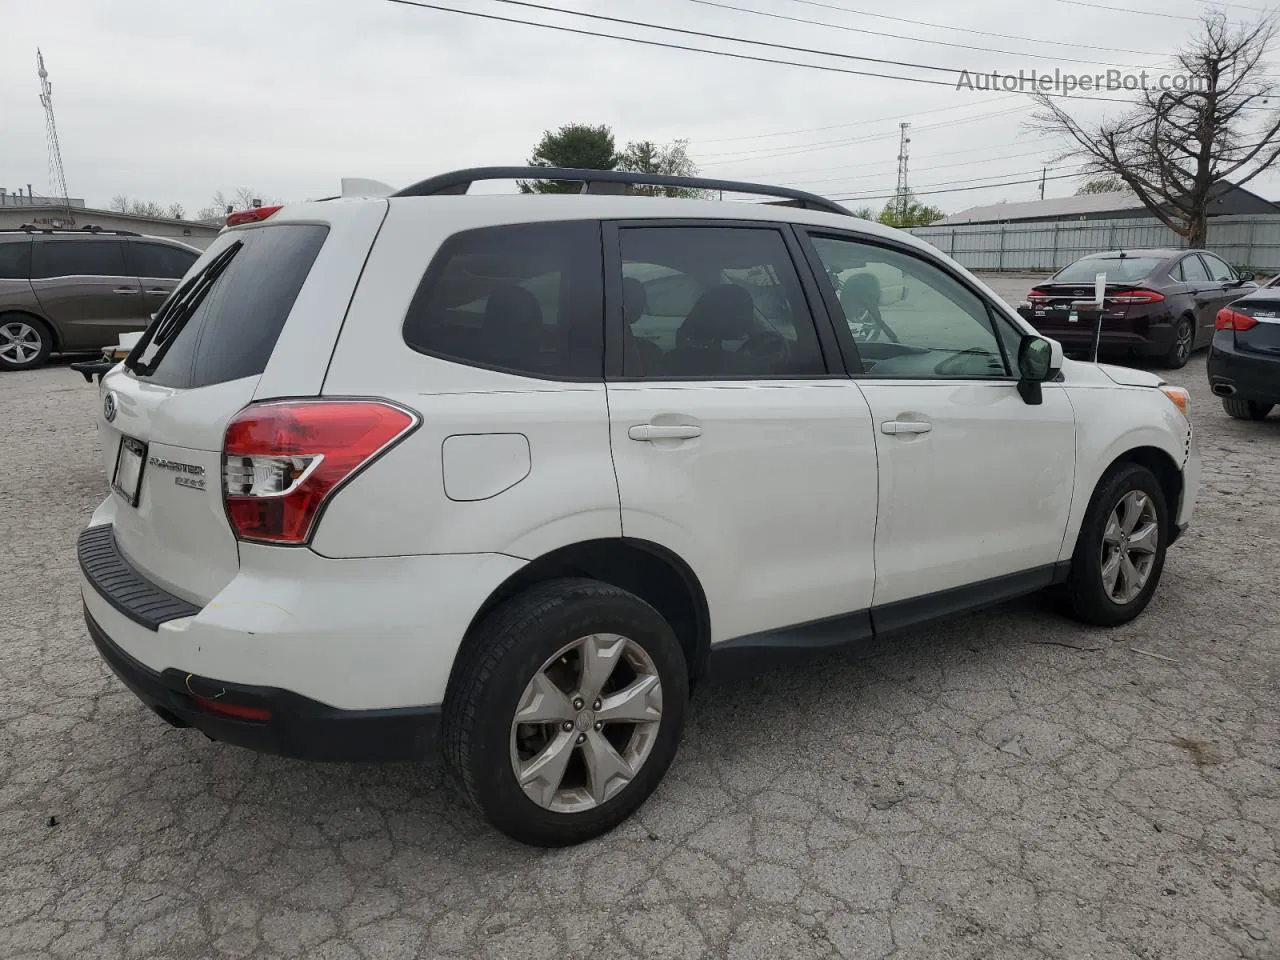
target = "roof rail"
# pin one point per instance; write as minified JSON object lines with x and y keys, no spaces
{"x":609,"y":182}
{"x":87,"y":228}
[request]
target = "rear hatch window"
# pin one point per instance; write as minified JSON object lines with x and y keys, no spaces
{"x":1117,"y":269}
{"x":223,"y":323}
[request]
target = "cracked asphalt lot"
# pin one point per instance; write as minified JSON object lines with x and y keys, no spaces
{"x":1007,"y":785}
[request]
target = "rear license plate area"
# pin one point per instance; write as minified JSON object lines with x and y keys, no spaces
{"x":127,"y":478}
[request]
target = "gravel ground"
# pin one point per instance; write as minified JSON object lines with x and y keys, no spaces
{"x":1008,"y":785}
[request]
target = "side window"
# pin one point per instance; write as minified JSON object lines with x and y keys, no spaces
{"x":1191,"y":270}
{"x":1218,"y":269}
{"x":15,"y":260}
{"x":527,"y":299}
{"x":78,"y":258}
{"x":159,"y":261}
{"x":908,"y":317}
{"x":714,"y":303}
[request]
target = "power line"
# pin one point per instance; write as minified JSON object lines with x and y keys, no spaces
{"x":981,"y":33}
{"x":871,"y":191}
{"x":660,"y":43}
{"x":718,"y":53}
{"x":855,"y":123}
{"x":887,"y":169}
{"x":986,"y":186}
{"x":1146,"y":13}
{"x":769,"y":153}
{"x":892,"y":36}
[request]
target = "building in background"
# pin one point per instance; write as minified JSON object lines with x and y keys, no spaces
{"x":18,"y":209}
{"x":1226,"y":199}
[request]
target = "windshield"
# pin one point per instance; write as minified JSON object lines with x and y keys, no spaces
{"x":1117,"y":269}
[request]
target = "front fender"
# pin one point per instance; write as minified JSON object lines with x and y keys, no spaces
{"x":1114,"y":422}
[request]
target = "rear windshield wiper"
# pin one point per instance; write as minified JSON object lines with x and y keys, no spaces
{"x":175,"y":314}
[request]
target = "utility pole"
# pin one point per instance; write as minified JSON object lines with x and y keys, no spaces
{"x":57,"y":177}
{"x":1044,"y":172}
{"x":901,"y":199}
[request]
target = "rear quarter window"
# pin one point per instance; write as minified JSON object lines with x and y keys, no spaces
{"x":15,"y":259}
{"x":234,"y":329}
{"x":524,"y":298}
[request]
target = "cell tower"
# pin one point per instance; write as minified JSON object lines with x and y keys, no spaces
{"x":57,"y":176}
{"x":901,"y":198}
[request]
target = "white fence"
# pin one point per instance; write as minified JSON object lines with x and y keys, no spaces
{"x":1251,"y":241}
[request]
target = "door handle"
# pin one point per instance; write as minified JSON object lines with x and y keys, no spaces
{"x":664,"y":431}
{"x":160,"y":293}
{"x":126,"y":290}
{"x":892,"y":427}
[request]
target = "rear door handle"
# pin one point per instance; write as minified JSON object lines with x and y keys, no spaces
{"x":160,"y":293}
{"x":664,"y":431}
{"x":126,"y":290}
{"x":892,"y":427}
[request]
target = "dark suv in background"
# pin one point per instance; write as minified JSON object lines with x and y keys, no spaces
{"x":69,"y":291}
{"x":1158,"y":303}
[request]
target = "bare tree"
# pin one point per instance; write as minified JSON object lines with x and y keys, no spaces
{"x":121,"y":203}
{"x":242,"y":199}
{"x":1100,"y":185}
{"x":177,"y":211}
{"x":672,"y":160}
{"x":1175,"y":145}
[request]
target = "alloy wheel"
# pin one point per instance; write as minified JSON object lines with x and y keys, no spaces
{"x":586,"y":723}
{"x":1129,"y":545}
{"x":1185,"y":336}
{"x":19,"y":342}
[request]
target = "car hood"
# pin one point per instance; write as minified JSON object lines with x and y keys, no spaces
{"x":1128,"y":377}
{"x":1104,"y":374}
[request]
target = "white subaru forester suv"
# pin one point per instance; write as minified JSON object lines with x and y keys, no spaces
{"x":504,"y":475}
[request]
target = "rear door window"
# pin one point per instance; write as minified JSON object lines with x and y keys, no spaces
{"x":1191,"y":270}
{"x":1218,"y":269}
{"x":159,"y":260}
{"x":79,"y":258}
{"x":15,"y":260}
{"x":524,"y":298}
{"x":223,"y":323}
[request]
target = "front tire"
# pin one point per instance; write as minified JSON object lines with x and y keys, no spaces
{"x":565,"y":710}
{"x":25,"y":342}
{"x":1246,"y":409}
{"x":1120,"y":553}
{"x":1184,"y":341}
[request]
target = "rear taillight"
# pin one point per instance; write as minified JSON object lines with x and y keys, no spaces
{"x":283,"y":460}
{"x":1037,"y":296}
{"x":1229,"y":319}
{"x":1127,"y":297}
{"x":256,"y":215}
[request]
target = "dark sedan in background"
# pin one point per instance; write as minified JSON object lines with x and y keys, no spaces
{"x":1244,"y":358}
{"x":1158,"y":303}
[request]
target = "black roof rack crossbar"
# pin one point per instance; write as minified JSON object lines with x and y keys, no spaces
{"x":87,"y":228}
{"x":609,"y":181}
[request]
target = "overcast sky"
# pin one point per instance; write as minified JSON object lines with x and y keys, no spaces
{"x":170,"y":100}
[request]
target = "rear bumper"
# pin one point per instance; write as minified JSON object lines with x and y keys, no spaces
{"x":351,"y":658}
{"x":297,"y":726}
{"x":1247,"y":376}
{"x":1117,"y":334}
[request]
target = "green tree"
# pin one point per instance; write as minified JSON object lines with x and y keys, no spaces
{"x":909,"y":212}
{"x":576,"y":145}
{"x":866,"y":213}
{"x":672,"y":160}
{"x":1100,"y":185}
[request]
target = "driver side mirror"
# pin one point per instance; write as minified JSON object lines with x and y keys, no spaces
{"x":1246,"y":277}
{"x":1038,"y":360}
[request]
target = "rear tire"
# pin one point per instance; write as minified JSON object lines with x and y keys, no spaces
{"x":1246,"y":409}
{"x":527,"y":657}
{"x":1113,"y":573}
{"x":1184,"y":341}
{"x":25,"y":342}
